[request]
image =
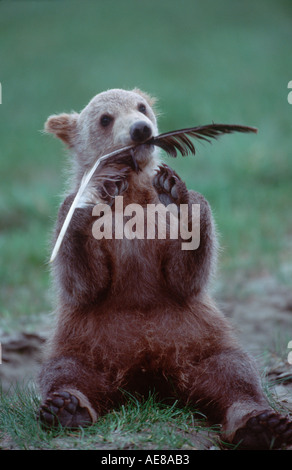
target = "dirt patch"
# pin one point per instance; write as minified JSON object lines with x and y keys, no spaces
{"x":261,"y":314}
{"x":21,"y":359}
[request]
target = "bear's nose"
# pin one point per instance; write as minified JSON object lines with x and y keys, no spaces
{"x":140,"y":131}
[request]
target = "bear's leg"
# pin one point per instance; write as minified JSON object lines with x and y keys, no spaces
{"x":228,"y":387}
{"x":72,"y":394}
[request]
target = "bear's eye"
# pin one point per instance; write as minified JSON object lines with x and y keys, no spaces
{"x":105,"y":120}
{"x":142,"y":108}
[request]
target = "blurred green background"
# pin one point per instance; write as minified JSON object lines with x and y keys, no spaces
{"x":224,"y":61}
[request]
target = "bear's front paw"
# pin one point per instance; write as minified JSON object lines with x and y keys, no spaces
{"x":170,"y":188}
{"x":110,"y":189}
{"x":267,"y":430}
{"x":63,"y":408}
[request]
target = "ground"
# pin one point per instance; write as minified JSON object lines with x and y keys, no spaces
{"x":262,"y":317}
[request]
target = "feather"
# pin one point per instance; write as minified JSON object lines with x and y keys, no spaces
{"x":180,"y":139}
{"x":170,"y":142}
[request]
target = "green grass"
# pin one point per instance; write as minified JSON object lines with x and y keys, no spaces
{"x":148,"y":424}
{"x":139,"y":424}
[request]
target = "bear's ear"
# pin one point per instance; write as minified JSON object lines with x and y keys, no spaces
{"x":150,"y":99}
{"x":64,"y":126}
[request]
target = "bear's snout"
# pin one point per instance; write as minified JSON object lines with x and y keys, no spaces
{"x":140,"y":131}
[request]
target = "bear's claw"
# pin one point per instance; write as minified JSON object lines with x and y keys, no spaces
{"x":170,"y":188}
{"x":62,"y":408}
{"x":267,"y":430}
{"x":110,"y":189}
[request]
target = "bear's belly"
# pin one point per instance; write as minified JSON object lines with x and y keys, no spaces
{"x":136,"y":275}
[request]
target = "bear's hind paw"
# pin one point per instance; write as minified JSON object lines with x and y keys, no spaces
{"x":267,"y":430}
{"x":63,"y":408}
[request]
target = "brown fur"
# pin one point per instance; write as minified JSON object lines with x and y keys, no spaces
{"x":137,"y":313}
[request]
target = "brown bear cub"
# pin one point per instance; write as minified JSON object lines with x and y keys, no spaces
{"x":135,"y":314}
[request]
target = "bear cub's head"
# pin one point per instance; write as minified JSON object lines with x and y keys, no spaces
{"x":112,"y":120}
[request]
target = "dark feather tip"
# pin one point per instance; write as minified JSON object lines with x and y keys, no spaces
{"x":180,"y":140}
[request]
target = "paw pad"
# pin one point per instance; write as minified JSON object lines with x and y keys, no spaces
{"x":267,"y":430}
{"x":62,"y":408}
